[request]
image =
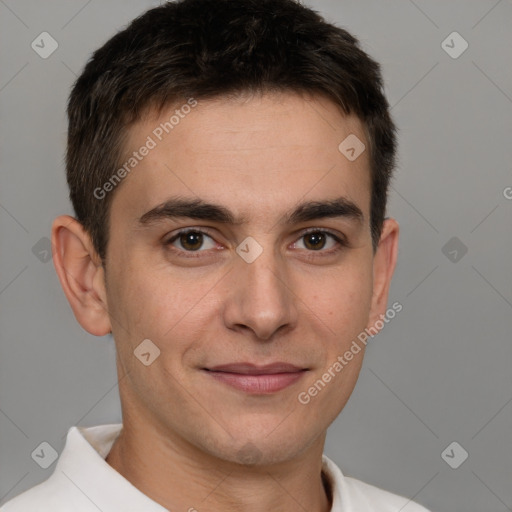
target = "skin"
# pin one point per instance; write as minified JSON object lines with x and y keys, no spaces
{"x":190,"y":441}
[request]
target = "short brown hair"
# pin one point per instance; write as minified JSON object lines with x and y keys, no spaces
{"x":209,"y":48}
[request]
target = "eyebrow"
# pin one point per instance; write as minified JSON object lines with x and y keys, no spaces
{"x":177,"y":207}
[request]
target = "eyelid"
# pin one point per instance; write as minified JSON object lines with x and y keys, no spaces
{"x":340,"y":239}
{"x":335,"y":234}
{"x":203,"y":230}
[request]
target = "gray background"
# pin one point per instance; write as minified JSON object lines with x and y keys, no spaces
{"x":438,"y":373}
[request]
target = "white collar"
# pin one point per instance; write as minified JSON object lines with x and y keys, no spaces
{"x":82,"y":462}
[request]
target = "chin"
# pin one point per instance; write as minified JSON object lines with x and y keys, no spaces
{"x":261,"y":449}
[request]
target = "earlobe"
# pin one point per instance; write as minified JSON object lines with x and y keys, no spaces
{"x":80,"y":274}
{"x":384,"y":263}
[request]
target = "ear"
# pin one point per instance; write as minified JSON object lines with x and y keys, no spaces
{"x":384,"y":262}
{"x":81,"y":274}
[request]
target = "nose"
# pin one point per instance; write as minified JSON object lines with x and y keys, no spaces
{"x":260,"y":298}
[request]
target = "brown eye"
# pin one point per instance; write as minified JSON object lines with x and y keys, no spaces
{"x":315,"y":240}
{"x":191,"y":241}
{"x":321,"y":241}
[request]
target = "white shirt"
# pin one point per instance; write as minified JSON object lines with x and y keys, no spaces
{"x":84,"y":482}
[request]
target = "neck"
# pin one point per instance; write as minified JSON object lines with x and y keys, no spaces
{"x":178,"y":476}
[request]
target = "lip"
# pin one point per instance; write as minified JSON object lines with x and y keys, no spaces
{"x":253,"y":369}
{"x":255,"y":379}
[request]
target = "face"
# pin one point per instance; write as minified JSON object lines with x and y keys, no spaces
{"x":278,"y":270}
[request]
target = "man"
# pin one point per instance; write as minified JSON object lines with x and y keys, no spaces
{"x":228,"y":163}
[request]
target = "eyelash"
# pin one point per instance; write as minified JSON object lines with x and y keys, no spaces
{"x":340,"y":242}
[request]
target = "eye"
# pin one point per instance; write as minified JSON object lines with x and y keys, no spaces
{"x":319,"y":240}
{"x":194,"y":242}
{"x":191,"y":240}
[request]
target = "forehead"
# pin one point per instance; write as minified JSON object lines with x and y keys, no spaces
{"x":258,"y":155}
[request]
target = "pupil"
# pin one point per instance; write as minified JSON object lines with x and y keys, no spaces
{"x":192,"y":240}
{"x":315,"y":238}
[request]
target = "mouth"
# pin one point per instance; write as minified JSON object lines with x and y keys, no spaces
{"x":255,"y":379}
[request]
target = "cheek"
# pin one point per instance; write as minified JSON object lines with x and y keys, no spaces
{"x":157,"y":303}
{"x":341,"y":298}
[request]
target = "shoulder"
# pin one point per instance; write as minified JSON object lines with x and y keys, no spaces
{"x":352,"y":495}
{"x":379,"y":499}
{"x":79,"y":464}
{"x":44,"y":497}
